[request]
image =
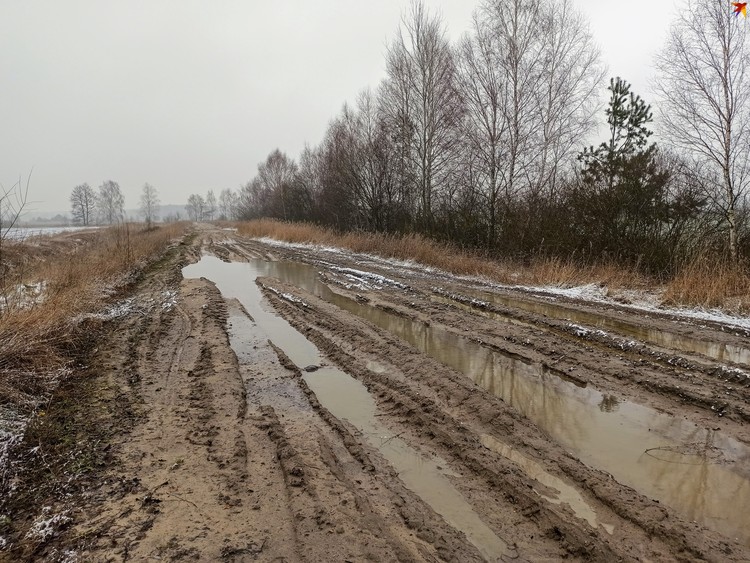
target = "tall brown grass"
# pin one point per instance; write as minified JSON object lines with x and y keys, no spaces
{"x":709,"y":281}
{"x":37,"y":338}
{"x":448,"y":257}
{"x":705,"y":282}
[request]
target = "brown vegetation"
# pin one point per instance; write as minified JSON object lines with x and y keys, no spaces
{"x":40,"y":336}
{"x":704,"y":282}
{"x":708,"y":281}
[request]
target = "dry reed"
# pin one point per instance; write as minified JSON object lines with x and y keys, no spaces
{"x":710,"y":282}
{"x":448,"y":257}
{"x":38,"y":338}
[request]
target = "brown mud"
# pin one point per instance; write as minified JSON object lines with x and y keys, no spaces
{"x":340,"y":408}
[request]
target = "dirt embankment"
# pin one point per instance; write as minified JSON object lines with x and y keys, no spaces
{"x":205,"y":441}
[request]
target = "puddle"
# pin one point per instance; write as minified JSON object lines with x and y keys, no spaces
{"x":700,"y":473}
{"x":720,"y":352}
{"x":272,"y":385}
{"x":348,"y":399}
{"x":564,"y":493}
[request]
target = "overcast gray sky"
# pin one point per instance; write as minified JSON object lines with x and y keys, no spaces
{"x":190,"y":95}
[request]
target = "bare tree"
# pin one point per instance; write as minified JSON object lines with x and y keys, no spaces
{"x":195,"y":207}
{"x":276,"y":176}
{"x":82,"y":204}
{"x":210,"y":210}
{"x":149,"y":204}
{"x":704,"y":83}
{"x":227,"y":205}
{"x":528,"y":75}
{"x":110,"y":202}
{"x":423,"y":102}
{"x":12,"y":202}
{"x":571,"y":72}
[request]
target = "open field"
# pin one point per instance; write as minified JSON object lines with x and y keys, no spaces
{"x":265,"y":401}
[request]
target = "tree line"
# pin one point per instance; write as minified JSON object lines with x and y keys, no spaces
{"x":208,"y":208}
{"x":106,"y":206}
{"x":480,"y":143}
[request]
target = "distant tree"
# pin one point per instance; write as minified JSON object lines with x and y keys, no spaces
{"x":149,"y":204}
{"x":704,"y":82}
{"x":276,"y":176}
{"x":274,"y":190}
{"x":227,"y":205}
{"x":110,"y":202}
{"x":195,"y":207}
{"x":82,"y":204}
{"x":210,"y":210}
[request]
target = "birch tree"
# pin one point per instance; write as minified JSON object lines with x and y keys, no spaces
{"x":704,"y":83}
{"x":528,"y":74}
{"x":110,"y":202}
{"x":149,"y":204}
{"x":424,"y":102}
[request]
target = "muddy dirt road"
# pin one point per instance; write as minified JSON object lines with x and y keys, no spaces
{"x":295,"y":404}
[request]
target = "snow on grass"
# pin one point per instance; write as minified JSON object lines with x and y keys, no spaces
{"x":12,"y":428}
{"x":169,"y":299}
{"x":23,"y":233}
{"x":23,"y":295}
{"x":369,"y":276}
{"x":640,"y":300}
{"x":45,"y":526}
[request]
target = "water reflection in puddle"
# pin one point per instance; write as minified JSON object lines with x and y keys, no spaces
{"x":621,"y":438}
{"x":563,"y":493}
{"x":348,"y":399}
{"x":721,"y":352}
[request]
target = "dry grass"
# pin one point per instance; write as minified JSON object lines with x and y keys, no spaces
{"x":37,"y":338}
{"x":703,"y":283}
{"x":710,"y":282}
{"x":412,"y":247}
{"x":542,"y":271}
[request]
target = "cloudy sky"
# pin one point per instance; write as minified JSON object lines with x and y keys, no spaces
{"x":190,"y":95}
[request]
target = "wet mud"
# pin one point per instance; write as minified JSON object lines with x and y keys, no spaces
{"x":306,"y":405}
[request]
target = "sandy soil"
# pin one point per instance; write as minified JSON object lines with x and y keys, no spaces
{"x":211,"y":443}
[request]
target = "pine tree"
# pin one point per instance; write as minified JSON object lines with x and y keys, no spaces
{"x":627,"y":116}
{"x":621,"y":207}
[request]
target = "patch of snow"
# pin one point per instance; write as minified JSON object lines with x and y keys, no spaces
{"x":644,"y":301}
{"x":12,"y":428}
{"x":370,"y":276}
{"x":119,"y":309}
{"x":46,"y":526}
{"x":169,"y":299}
{"x":3,"y":542}
{"x":286,"y":296}
{"x":24,"y":295}
{"x":22,"y":233}
{"x":301,"y":245}
{"x":579,"y":330}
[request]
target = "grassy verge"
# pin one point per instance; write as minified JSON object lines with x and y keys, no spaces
{"x":704,"y":283}
{"x":41,"y":335}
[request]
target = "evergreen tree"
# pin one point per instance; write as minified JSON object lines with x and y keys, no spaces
{"x":621,"y":207}
{"x":627,"y":116}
